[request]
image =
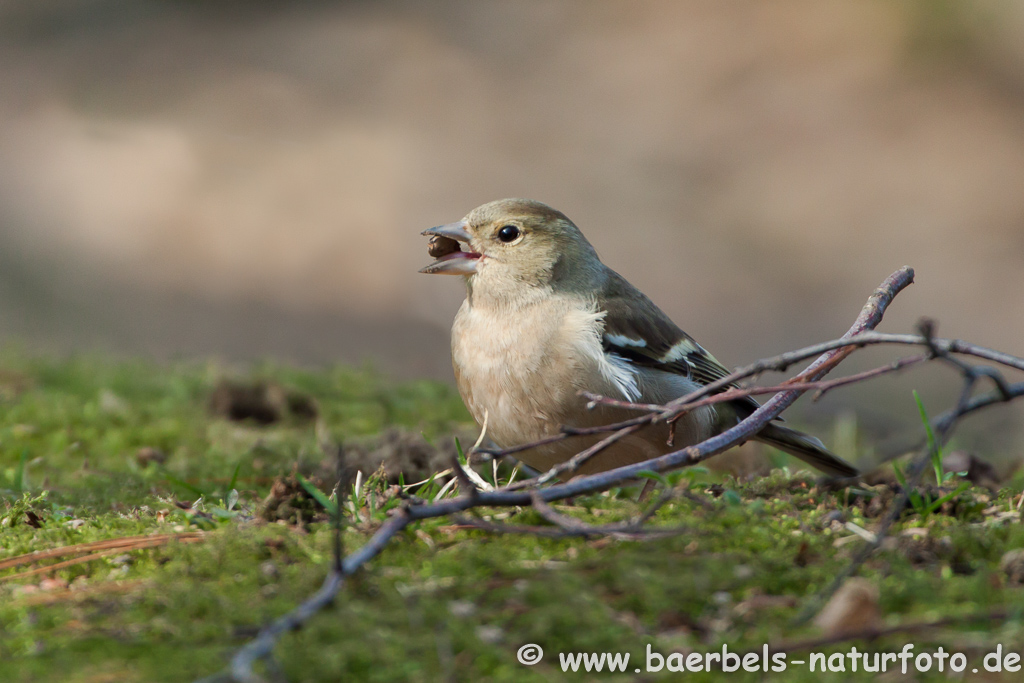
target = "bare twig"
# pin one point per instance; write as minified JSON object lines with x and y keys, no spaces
{"x":576,"y":461}
{"x":821,"y":387}
{"x":465,"y":484}
{"x":832,"y":352}
{"x":942,"y":427}
{"x":262,"y":646}
{"x":338,"y":545}
{"x":121,"y":544}
{"x":92,"y":551}
{"x":870,"y":316}
{"x":564,"y":433}
{"x":586,"y":531}
{"x":780,"y":363}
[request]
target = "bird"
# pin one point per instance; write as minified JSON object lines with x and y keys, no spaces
{"x":544,"y":320}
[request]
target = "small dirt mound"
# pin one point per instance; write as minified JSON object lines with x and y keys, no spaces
{"x":289,"y":501}
{"x":400,"y":453}
{"x":262,"y":402}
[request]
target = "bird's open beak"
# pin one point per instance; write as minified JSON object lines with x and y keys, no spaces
{"x":456,"y":262}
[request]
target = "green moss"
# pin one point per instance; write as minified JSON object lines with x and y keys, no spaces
{"x":441,"y":602}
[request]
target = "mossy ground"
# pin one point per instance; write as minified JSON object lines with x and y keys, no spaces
{"x":442,"y":602}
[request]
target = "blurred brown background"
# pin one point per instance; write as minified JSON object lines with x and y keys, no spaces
{"x":249,"y":178}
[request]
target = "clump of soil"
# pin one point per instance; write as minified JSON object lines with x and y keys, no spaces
{"x":148,"y":455}
{"x":262,"y":402}
{"x":878,"y":504}
{"x":967,"y":505}
{"x":399,"y":452}
{"x":290,"y":502}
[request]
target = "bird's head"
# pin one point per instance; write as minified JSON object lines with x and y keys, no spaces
{"x":512,"y":244}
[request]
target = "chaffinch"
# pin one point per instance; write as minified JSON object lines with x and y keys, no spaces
{"x":545,"y":319}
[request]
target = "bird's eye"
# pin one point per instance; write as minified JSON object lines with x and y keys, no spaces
{"x":508,"y":233}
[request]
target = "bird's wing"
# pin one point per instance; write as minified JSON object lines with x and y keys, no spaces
{"x":638,"y":331}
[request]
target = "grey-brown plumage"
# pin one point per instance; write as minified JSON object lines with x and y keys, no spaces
{"x":544,"y":318}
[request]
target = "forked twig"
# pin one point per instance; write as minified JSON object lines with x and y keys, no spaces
{"x":531,"y":492}
{"x":943,"y":427}
{"x":820,"y":387}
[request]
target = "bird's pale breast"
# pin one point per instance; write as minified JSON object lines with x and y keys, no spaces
{"x":523,"y":370}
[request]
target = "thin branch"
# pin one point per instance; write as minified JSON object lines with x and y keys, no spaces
{"x":466,"y":485}
{"x":668,"y":495}
{"x":262,"y":646}
{"x":576,"y":461}
{"x":821,"y":387}
{"x":832,"y":353}
{"x":122,"y":544}
{"x":943,"y":427}
{"x":587,"y":531}
{"x":1012,"y":391}
{"x":848,"y":343}
{"x":551,"y":515}
{"x":564,"y":433}
{"x":869,"y":317}
{"x":338,"y":545}
{"x":533,"y":530}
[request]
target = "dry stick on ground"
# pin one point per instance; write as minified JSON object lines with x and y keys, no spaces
{"x":869,"y":317}
{"x":943,"y":428}
{"x":691,"y":455}
{"x":820,"y":388}
{"x":834,"y":351}
{"x":82,"y":593}
{"x":566,"y":526}
{"x":942,"y":348}
{"x":781,"y":363}
{"x":775,"y":363}
{"x":262,"y":646}
{"x":587,"y":531}
{"x":93,"y":550}
{"x":571,"y":524}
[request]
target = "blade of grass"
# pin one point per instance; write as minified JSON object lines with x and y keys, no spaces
{"x":318,"y":495}
{"x":184,"y":484}
{"x":234,"y":477}
{"x":19,"y":474}
{"x":913,"y":496}
{"x":933,"y":446}
{"x":956,"y":492}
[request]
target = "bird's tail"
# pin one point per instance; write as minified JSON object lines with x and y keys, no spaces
{"x":807,"y":448}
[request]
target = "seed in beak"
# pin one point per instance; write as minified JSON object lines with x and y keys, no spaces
{"x":442,"y":246}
